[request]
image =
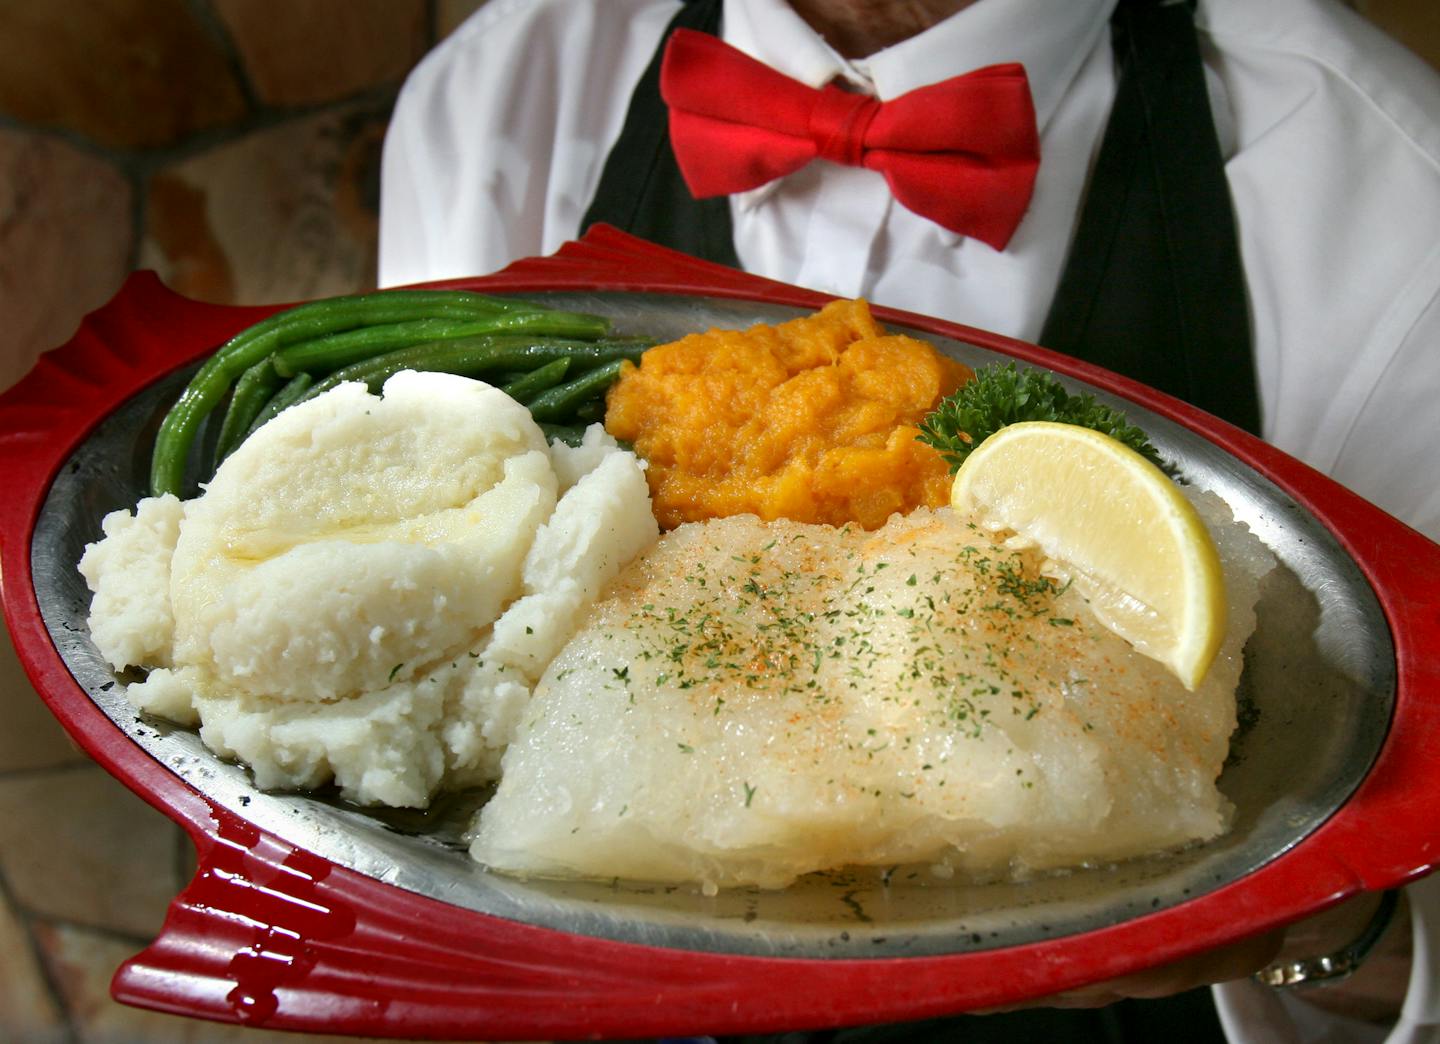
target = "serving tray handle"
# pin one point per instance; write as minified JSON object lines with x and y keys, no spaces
{"x":269,"y":935}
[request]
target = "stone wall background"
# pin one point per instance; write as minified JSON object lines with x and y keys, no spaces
{"x":231,"y":145}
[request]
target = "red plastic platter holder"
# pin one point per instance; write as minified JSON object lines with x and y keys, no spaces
{"x":270,"y":934}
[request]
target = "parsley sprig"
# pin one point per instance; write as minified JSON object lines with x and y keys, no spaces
{"x":1001,"y":394}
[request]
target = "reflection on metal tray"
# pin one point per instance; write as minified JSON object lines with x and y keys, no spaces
{"x":1318,"y":692}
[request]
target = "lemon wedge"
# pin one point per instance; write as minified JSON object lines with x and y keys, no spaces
{"x":1120,"y":529}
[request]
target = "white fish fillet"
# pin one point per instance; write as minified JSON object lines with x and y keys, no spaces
{"x":754,"y":701}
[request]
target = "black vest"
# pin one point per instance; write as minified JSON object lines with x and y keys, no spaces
{"x":1153,"y":287}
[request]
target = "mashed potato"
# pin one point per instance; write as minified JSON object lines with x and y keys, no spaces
{"x":370,"y":586}
{"x":753,"y":701}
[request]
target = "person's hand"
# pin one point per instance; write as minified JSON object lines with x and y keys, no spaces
{"x":1377,"y":990}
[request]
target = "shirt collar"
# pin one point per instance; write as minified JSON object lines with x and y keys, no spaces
{"x":1050,"y":38}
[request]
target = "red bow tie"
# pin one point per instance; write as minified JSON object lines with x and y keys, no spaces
{"x":962,"y":153}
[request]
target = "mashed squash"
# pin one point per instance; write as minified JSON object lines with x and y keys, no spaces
{"x":811,"y":420}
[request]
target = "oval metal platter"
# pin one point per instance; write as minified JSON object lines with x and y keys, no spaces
{"x":308,"y":913}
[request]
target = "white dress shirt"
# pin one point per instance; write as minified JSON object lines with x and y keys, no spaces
{"x":1330,"y":132}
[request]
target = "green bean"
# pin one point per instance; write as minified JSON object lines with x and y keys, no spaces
{"x":317,"y":318}
{"x":342,"y":349}
{"x":591,"y":411}
{"x":479,"y":356}
{"x":566,"y":433}
{"x":608,"y":349}
{"x":301,"y":323}
{"x":556,"y":324}
{"x":469,"y":356}
{"x":524,"y":388}
{"x":560,"y":402}
{"x":286,"y":397}
{"x":320,"y":318}
{"x":254,"y":388}
{"x":324,"y":354}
